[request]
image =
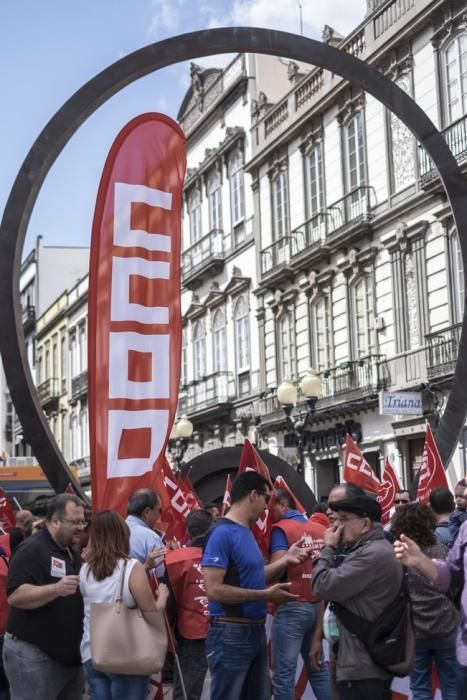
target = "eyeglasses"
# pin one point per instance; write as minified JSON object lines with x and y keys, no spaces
{"x":397,"y":501}
{"x":75,"y":523}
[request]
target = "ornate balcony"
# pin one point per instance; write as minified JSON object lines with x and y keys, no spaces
{"x":212,"y":394}
{"x":456,"y":138}
{"x":28,"y":317}
{"x":350,"y":216}
{"x":351,"y":380}
{"x":79,"y":385}
{"x":204,"y":258}
{"x":49,"y":392}
{"x":275,"y":259}
{"x":442,"y":351}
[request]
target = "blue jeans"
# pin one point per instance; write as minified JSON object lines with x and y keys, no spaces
{"x":461,"y":672}
{"x":238,"y":661}
{"x":292,"y":631}
{"x":114,"y":686}
{"x":442,"y":652}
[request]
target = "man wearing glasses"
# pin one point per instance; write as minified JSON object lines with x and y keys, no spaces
{"x":235,"y":577}
{"x":42,"y":643}
{"x":365,"y":582}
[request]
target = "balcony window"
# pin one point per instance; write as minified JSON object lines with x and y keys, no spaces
{"x":458,"y":277}
{"x":63,"y":366}
{"x":199,"y":350}
{"x":280,"y":204}
{"x":63,"y":441}
{"x":315,"y":180}
{"x":184,"y":365}
{"x":55,"y":360}
{"x":195,"y":216}
{"x":363,"y":316}
{"x":355,"y":151}
{"x":83,"y":433}
{"x":219,"y":334}
{"x":82,"y":349}
{"x":215,"y":202}
{"x":242,"y":335}
{"x":74,"y":437}
{"x":47,"y":364}
{"x":286,"y":346}
{"x":455,"y":69}
{"x":237,"y":188}
{"x":321,"y":329}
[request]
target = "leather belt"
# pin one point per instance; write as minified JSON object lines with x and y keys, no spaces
{"x":256,"y":622}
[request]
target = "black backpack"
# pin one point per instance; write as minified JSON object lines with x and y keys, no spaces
{"x":390,"y":639}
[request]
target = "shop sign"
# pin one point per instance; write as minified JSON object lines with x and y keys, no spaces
{"x":402,"y":403}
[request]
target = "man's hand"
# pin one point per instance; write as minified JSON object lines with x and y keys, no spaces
{"x":297,"y":553}
{"x":333,"y":535}
{"x":278,"y":594}
{"x":316,"y":653}
{"x":67,"y":585}
{"x":155,"y":558}
{"x":407,"y":551}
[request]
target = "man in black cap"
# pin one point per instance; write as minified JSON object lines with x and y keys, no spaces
{"x":365,"y":583}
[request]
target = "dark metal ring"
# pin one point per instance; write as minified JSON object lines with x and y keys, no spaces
{"x":87,"y":99}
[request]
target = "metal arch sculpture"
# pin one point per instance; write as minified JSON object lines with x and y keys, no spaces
{"x":87,"y":99}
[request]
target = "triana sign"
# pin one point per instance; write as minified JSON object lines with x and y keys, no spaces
{"x":404,"y":403}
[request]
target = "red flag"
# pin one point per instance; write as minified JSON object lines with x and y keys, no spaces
{"x":250,"y":460}
{"x":174,"y":505}
{"x":389,"y":486}
{"x":280,"y":483}
{"x":226,"y":502}
{"x":69,"y":489}
{"x":190,"y":497}
{"x":432,"y":474}
{"x":356,"y":468}
{"x":134,"y":308}
{"x":7,"y":516}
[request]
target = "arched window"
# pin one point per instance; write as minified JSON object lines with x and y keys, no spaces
{"x":219,"y":341}
{"x":199,"y":350}
{"x":455,"y":67}
{"x":363,"y":316}
{"x":286,"y":346}
{"x":321,"y":334}
{"x":242,"y":335}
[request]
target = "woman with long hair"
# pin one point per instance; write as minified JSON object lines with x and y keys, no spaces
{"x":435,"y":616}
{"x":106,"y":554}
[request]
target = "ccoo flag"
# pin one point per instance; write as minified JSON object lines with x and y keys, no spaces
{"x":226,"y":501}
{"x":432,"y":474}
{"x":250,"y":460}
{"x":134,"y":308}
{"x":356,"y":468}
{"x":389,"y":486}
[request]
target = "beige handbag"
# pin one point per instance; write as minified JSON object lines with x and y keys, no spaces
{"x":126,"y":640}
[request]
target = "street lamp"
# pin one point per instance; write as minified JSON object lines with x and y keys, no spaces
{"x":310,"y":387}
{"x":180,"y":437}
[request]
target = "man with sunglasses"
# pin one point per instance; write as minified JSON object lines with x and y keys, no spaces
{"x":235,"y":577}
{"x":41,"y":650}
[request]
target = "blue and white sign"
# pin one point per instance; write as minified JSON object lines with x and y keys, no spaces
{"x":402,"y":403}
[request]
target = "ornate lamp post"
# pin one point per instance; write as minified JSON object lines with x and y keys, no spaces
{"x":180,"y":438}
{"x":287,"y":393}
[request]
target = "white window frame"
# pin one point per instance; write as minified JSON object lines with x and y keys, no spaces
{"x":242,"y":335}
{"x":219,"y":341}
{"x":199,"y":350}
{"x":460,"y":78}
{"x":195,"y":216}
{"x":354,"y":130}
{"x":367,"y":315}
{"x":237,"y":188}
{"x":280,"y":204}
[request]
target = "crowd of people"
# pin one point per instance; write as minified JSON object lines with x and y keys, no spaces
{"x":336,"y":575}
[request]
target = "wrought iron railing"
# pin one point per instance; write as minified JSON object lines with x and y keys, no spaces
{"x":79,"y":384}
{"x":456,"y":138}
{"x":355,"y":206}
{"x":28,"y":314}
{"x":48,"y":391}
{"x":278,"y":253}
{"x":203,"y":252}
{"x":442,"y":351}
{"x":215,"y":389}
{"x":353,"y":378}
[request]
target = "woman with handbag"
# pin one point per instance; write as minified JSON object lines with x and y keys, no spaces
{"x":124,"y":636}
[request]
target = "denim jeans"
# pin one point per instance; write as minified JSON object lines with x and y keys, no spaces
{"x":238,"y":661}
{"x":33,"y":674}
{"x":4,"y":685}
{"x":292,"y":631}
{"x":442,"y":652}
{"x":192,"y":656}
{"x":114,"y":686}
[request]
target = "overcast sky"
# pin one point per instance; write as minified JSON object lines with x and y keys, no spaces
{"x":50,"y":48}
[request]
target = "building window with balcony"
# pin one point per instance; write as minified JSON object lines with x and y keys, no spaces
{"x":362,"y":303}
{"x":55,"y":360}
{"x":455,"y":76}
{"x":355,"y":152}
{"x":73,"y":355}
{"x":321,"y":334}
{"x":83,"y":432}
{"x":280,"y":203}
{"x":195,"y":215}
{"x":63,"y":441}
{"x":286,"y":335}
{"x":74,"y":437}
{"x":315,"y":180}
{"x":457,"y":276}
{"x":199,"y":350}
{"x":63,"y":364}
{"x":241,"y":317}
{"x":215,"y":201}
{"x":83,"y":360}
{"x":219,"y":341}
{"x":184,"y":365}
{"x":237,"y":197}
{"x":47,"y":363}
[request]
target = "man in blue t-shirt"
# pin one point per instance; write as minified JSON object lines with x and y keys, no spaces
{"x":235,"y":577}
